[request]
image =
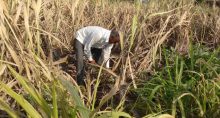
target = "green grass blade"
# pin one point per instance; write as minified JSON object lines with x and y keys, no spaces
{"x":214,"y":54}
{"x":109,"y":95}
{"x":84,"y":112}
{"x":21,"y":101}
{"x":174,"y":109}
{"x":154,"y":91}
{"x":120,"y":114}
{"x":180,"y":74}
{"x":177,"y":67}
{"x":5,"y":107}
{"x":96,"y":87}
{"x":167,"y":65}
{"x":182,"y":109}
{"x":197,"y":101}
{"x":54,"y":96}
{"x":191,"y":54}
{"x":133,"y":30}
{"x":38,"y":98}
{"x":114,"y":114}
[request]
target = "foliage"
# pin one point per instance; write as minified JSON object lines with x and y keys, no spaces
{"x":34,"y":83}
{"x":186,"y":85}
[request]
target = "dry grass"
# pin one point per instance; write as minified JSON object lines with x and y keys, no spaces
{"x":31,"y":30}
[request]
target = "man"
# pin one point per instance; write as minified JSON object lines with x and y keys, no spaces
{"x":96,"y":43}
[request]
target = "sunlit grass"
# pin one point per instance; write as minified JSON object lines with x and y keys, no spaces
{"x":184,"y":90}
{"x":34,"y":85}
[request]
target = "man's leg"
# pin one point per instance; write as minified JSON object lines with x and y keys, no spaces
{"x":96,"y":54}
{"x":79,"y":62}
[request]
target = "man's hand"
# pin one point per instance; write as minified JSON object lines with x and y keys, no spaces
{"x":92,"y":62}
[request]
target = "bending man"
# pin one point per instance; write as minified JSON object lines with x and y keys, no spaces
{"x":96,"y":43}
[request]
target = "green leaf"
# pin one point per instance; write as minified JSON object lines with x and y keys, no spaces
{"x":84,"y":112}
{"x":113,"y":114}
{"x":55,"y":108}
{"x":20,"y":99}
{"x":197,"y":101}
{"x":133,"y":30}
{"x":37,"y":97}
{"x":5,"y":107}
{"x":154,"y":91}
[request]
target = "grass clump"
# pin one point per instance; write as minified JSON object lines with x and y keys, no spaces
{"x":185,"y":85}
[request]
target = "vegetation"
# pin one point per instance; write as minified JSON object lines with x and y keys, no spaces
{"x":169,"y":61}
{"x":186,"y":86}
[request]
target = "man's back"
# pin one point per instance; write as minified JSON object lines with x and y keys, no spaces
{"x":92,"y":32}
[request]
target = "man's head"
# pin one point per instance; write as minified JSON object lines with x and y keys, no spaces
{"x":114,"y":37}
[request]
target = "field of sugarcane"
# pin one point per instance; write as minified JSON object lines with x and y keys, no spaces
{"x":168,"y":64}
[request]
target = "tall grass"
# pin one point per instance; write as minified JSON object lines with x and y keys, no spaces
{"x":33,"y":83}
{"x":184,"y":90}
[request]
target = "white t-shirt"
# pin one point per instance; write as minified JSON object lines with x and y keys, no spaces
{"x":97,"y":37}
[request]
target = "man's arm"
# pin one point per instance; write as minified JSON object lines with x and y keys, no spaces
{"x":87,"y":48}
{"x":106,"y":54}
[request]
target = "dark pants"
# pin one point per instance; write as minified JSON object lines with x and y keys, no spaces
{"x":96,"y":54}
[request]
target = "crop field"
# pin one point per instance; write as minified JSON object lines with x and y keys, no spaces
{"x":167,"y":64}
